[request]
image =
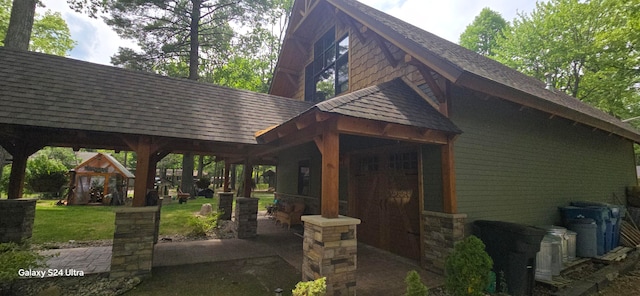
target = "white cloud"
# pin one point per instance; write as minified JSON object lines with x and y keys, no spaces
{"x":97,"y":42}
{"x":448,"y":19}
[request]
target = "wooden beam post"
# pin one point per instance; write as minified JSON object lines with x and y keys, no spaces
{"x":227,"y":168}
{"x":448,"y":179}
{"x":143,"y":152}
{"x":20,"y":153}
{"x":247,"y":174}
{"x":330,"y":173}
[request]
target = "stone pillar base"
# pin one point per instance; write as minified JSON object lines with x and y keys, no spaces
{"x":247,"y":217}
{"x":330,"y":250}
{"x":133,"y":241}
{"x":17,"y":219}
{"x":441,"y":232}
{"x":225,"y":206}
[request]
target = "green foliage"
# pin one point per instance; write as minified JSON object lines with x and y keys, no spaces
{"x":45,"y":174}
{"x":201,"y":225}
{"x":14,"y":257}
{"x":467,"y":268}
{"x":311,"y":288}
{"x":415,"y":287}
{"x":50,"y":32}
{"x":64,"y":155}
{"x":588,"y":48}
{"x":480,"y":36}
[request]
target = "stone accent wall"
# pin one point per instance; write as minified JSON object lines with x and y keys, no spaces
{"x":17,"y":219}
{"x":330,"y":250}
{"x":247,"y":217}
{"x":225,"y":206}
{"x":133,"y":241}
{"x":441,"y":232}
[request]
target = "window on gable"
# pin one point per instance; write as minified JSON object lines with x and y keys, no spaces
{"x":328,"y":74}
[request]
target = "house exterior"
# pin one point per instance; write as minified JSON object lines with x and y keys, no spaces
{"x":391,"y":135}
{"x":431,"y":136}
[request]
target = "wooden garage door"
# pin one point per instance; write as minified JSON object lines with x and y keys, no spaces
{"x":386,"y":200}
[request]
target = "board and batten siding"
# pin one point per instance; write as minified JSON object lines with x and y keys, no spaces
{"x":519,"y":165}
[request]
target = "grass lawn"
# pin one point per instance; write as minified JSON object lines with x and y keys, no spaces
{"x":257,"y":276}
{"x":81,"y":223}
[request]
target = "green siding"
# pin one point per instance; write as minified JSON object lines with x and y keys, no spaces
{"x":519,"y":165}
{"x":432,"y":178}
{"x":288,"y":169}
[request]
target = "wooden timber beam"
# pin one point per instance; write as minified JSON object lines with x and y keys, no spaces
{"x":421,"y":93}
{"x":448,"y":179}
{"x":352,"y":24}
{"x":247,"y":178}
{"x":385,"y":50}
{"x":144,"y":151}
{"x":20,"y":150}
{"x":309,"y":6}
{"x":330,"y":147}
{"x":425,"y":71}
{"x":372,"y":128}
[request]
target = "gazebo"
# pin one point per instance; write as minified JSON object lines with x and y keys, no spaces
{"x":100,"y":180}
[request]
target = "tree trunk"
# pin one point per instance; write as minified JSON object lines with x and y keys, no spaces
{"x":20,"y":24}
{"x":187,"y":173}
{"x":187,"y":158}
{"x":194,"y":42}
{"x":200,"y":166}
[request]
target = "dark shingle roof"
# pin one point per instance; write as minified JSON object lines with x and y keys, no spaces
{"x":392,"y":102}
{"x":462,"y":61}
{"x":49,"y":91}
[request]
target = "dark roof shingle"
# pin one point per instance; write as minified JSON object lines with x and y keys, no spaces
{"x":393,"y":102}
{"x":464,"y":61}
{"x":49,"y":91}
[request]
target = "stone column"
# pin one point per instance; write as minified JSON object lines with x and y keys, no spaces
{"x":330,"y":250}
{"x":16,"y":219}
{"x":225,"y":205}
{"x":247,"y":217}
{"x":441,"y":232}
{"x":133,"y":241}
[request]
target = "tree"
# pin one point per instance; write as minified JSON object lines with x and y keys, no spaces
{"x":48,"y":33}
{"x":480,"y":36}
{"x":185,"y":38}
{"x":20,"y":24}
{"x":587,"y":48}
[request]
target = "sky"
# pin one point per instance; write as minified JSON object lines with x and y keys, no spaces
{"x":96,"y":42}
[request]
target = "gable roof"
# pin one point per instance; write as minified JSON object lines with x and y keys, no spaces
{"x":39,"y":90}
{"x":471,"y":70}
{"x":110,"y":159}
{"x":393,"y":102}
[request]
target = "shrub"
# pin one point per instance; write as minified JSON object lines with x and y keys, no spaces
{"x":311,"y":288}
{"x":14,"y":257}
{"x":415,"y":287}
{"x":201,"y":225}
{"x":467,"y":268}
{"x":45,"y":175}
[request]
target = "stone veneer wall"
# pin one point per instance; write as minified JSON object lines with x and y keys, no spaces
{"x":225,"y":205}
{"x":441,"y":232}
{"x":330,"y":250}
{"x":133,"y":241}
{"x":247,"y":217}
{"x":17,"y":219}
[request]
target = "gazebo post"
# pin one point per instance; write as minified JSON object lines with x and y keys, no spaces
{"x":20,"y":152}
{"x":143,"y":152}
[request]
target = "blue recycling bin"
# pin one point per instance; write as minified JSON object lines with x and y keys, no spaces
{"x":615,"y":213}
{"x":599,"y":214}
